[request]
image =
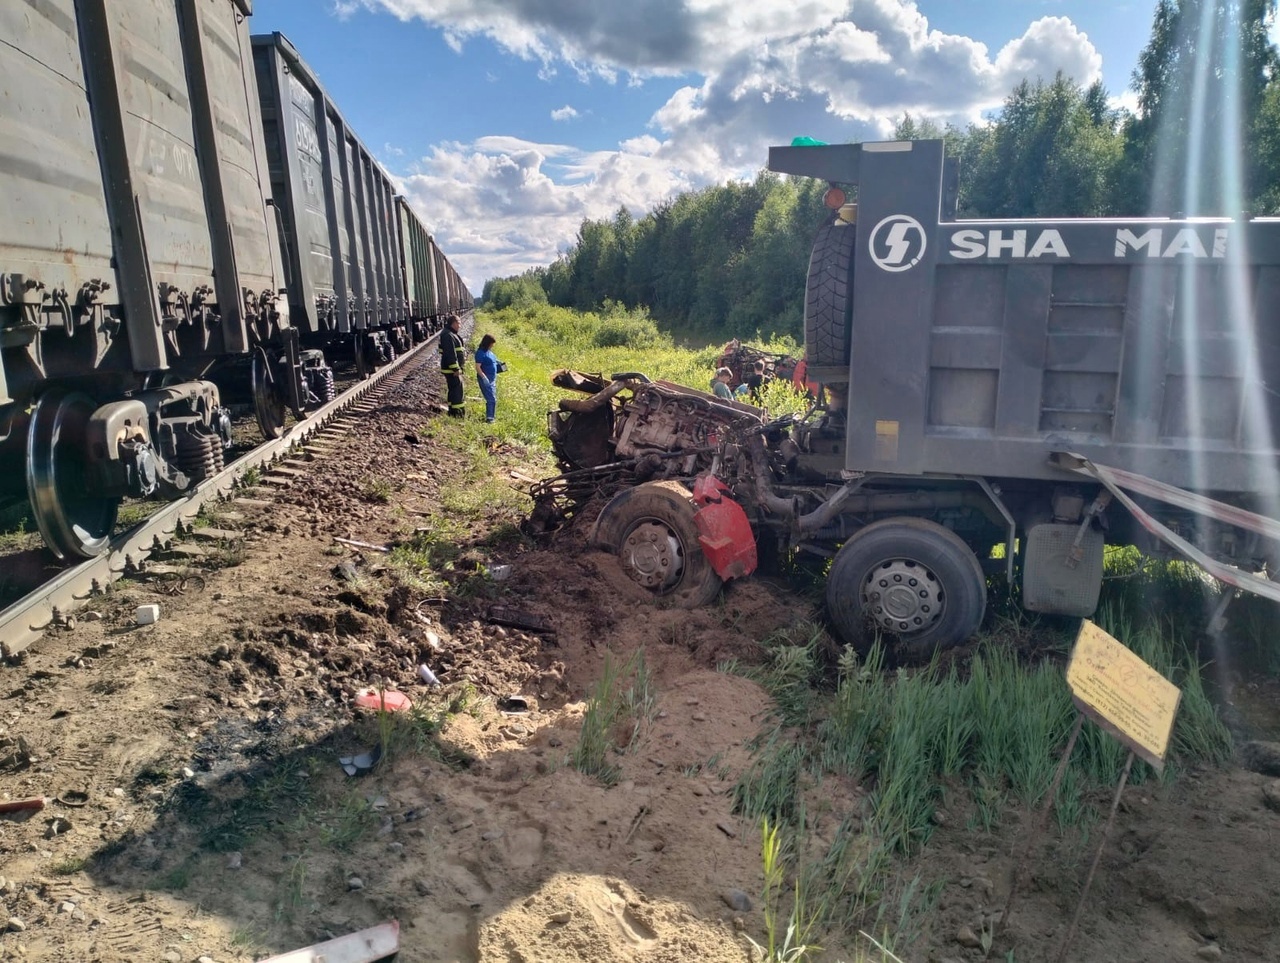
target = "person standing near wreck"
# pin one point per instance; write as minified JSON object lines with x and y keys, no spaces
{"x":720,"y":384}
{"x":452,"y":353}
{"x":488,"y":367}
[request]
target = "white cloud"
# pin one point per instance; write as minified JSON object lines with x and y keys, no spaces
{"x":760,"y":72}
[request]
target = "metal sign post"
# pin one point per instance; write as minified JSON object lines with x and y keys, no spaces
{"x":1131,"y":701}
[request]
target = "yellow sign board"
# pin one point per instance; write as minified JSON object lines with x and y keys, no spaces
{"x":1123,"y":694}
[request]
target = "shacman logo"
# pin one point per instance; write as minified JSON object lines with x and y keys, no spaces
{"x":898,"y":243}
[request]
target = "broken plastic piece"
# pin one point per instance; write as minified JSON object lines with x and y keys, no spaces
{"x":361,"y":764}
{"x":73,"y":797}
{"x":366,"y":946}
{"x":388,"y":700}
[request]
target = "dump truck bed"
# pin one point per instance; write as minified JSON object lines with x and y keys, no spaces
{"x":979,"y":347}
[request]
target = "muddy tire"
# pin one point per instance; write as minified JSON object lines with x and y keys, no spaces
{"x":912,"y":582}
{"x":650,"y":528}
{"x":828,"y":295}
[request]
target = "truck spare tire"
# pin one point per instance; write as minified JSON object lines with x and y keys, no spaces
{"x":828,"y":295}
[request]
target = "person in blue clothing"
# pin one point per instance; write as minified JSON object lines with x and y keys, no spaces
{"x":487,"y":369}
{"x":720,"y":384}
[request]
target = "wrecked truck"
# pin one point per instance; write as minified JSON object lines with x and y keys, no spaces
{"x":998,"y":397}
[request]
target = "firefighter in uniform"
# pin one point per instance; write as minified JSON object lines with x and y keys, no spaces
{"x":452,"y":354}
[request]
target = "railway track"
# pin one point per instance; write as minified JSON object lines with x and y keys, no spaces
{"x":52,"y":605}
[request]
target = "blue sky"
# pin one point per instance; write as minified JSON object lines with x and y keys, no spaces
{"x":509,"y":121}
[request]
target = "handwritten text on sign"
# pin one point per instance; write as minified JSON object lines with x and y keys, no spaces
{"x":1116,"y":689}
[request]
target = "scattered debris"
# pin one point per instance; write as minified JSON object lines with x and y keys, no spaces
{"x":514,"y":704}
{"x":33,"y":804}
{"x":427,"y":676}
{"x":519,"y":619}
{"x":357,"y":544}
{"x":58,"y":826}
{"x":365,"y":946}
{"x":361,"y":764}
{"x":346,"y":571}
{"x":384,"y":700}
{"x":500,"y":573}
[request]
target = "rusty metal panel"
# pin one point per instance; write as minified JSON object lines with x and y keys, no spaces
{"x":406,"y":224}
{"x":55,"y":237}
{"x":337,"y":201}
{"x":358,"y":185}
{"x":55,"y":227}
{"x":437,"y":280}
{"x":376,"y":262}
{"x":382,"y":236}
{"x":233,"y":163}
{"x":395,"y":253}
{"x":160,"y":140}
{"x":293,"y":114}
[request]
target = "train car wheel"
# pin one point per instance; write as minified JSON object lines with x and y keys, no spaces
{"x":74,"y":520}
{"x":267,"y":400}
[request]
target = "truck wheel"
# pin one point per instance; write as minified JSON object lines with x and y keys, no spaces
{"x":915,"y":583}
{"x":650,"y":528}
{"x":828,"y":295}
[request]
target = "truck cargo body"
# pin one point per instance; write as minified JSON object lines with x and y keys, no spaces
{"x":976,"y":347}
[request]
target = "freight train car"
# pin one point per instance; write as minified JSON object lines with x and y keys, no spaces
{"x":361,"y":265}
{"x":143,"y":246}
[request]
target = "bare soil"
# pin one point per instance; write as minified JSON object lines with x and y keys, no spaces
{"x":197,"y":807}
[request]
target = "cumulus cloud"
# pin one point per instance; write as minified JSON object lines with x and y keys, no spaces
{"x":760,"y":72}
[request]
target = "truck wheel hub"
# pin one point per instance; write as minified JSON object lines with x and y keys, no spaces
{"x":902,"y":596}
{"x":652,"y":556}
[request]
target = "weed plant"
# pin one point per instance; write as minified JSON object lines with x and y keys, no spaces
{"x":791,"y":945}
{"x":623,"y":702}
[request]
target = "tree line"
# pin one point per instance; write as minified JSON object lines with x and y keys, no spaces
{"x":731,"y":260}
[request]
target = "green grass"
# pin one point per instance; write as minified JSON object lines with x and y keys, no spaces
{"x":374,"y":489}
{"x":69,"y":866}
{"x":623,"y":702}
{"x":19,"y":539}
{"x":989,"y":734}
{"x":344,"y":823}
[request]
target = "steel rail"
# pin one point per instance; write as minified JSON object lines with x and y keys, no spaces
{"x":25,"y":621}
